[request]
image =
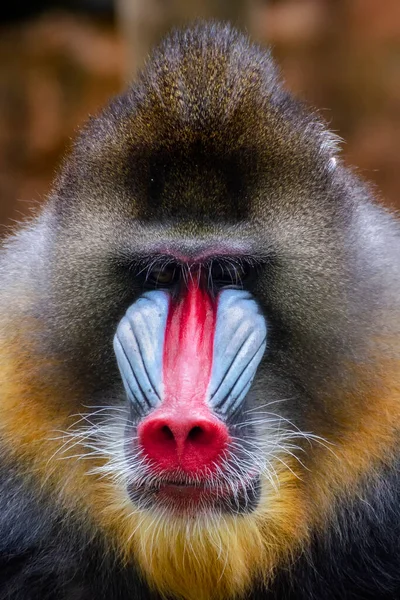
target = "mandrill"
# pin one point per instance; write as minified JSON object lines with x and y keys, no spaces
{"x":200,"y":352}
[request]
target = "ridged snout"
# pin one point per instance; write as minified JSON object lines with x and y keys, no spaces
{"x":187,"y":365}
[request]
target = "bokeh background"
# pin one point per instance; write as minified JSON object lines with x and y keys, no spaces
{"x":60,"y":60}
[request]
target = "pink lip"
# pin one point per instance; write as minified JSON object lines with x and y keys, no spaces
{"x":184,"y":497}
{"x":191,"y":495}
{"x":177,"y":491}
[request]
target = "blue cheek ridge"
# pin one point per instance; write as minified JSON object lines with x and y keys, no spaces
{"x":239,"y":345}
{"x":138,"y":347}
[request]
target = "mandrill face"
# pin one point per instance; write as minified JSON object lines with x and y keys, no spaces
{"x":202,"y":275}
{"x":188,"y":356}
{"x":210,"y":305}
{"x":199,"y":240}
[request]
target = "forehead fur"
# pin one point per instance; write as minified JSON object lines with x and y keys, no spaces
{"x":206,"y":120}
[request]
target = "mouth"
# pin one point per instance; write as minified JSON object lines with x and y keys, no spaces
{"x":197,"y":497}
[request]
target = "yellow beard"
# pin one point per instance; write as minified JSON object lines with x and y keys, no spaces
{"x":199,"y":561}
{"x":215,"y":557}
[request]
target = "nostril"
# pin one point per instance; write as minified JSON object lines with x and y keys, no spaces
{"x":167,"y":433}
{"x":196,"y":434}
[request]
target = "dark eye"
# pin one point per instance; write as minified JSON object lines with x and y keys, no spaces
{"x":163,"y":275}
{"x":224,"y":274}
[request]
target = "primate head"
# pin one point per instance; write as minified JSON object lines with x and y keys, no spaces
{"x":199,"y":307}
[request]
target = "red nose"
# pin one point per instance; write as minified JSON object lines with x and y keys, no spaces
{"x":173,"y":439}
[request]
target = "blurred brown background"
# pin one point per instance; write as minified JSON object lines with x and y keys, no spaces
{"x":60,"y":61}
